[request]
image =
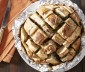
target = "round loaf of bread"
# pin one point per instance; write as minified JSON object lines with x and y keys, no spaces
{"x":52,"y":35}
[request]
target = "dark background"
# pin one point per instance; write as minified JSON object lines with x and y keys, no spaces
{"x":18,"y":65}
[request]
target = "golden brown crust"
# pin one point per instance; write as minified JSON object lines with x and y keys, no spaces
{"x":24,"y":35}
{"x":69,"y":9}
{"x":71,"y":23}
{"x":65,"y":31}
{"x":53,"y":20}
{"x":54,"y":33}
{"x":39,"y":37}
{"x":36,"y":58}
{"x":62,"y":51}
{"x":52,"y":60}
{"x":51,"y":7}
{"x":49,"y":47}
{"x":72,"y":52}
{"x":30,"y":27}
{"x":32,"y":46}
{"x":48,"y":30}
{"x":67,"y":58}
{"x":70,"y":40}
{"x":62,"y":11}
{"x":42,"y":54}
{"x":58,"y":39}
{"x":76,"y":18}
{"x":36,"y":18}
{"x":29,"y":53}
{"x":44,"y":12}
{"x":76,"y":44}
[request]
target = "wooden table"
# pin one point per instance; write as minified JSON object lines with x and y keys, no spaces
{"x":18,"y":65}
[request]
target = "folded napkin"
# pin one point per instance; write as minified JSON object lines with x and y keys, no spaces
{"x":7,"y":48}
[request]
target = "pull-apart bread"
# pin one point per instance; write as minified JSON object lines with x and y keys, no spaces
{"x":52,"y":35}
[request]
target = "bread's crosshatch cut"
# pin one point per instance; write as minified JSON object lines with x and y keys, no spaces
{"x":52,"y":35}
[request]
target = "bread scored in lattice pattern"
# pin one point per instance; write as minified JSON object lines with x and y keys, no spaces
{"x":52,"y":34}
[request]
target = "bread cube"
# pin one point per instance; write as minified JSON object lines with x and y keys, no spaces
{"x":69,"y":9}
{"x":65,"y":31}
{"x":39,"y":37}
{"x":49,"y":47}
{"x":62,"y":11}
{"x":32,"y":46}
{"x":58,"y":39}
{"x":70,"y":40}
{"x":71,"y":23}
{"x":44,"y":12}
{"x":53,"y":60}
{"x":76,"y":44}
{"x":36,"y":18}
{"x":67,"y":58}
{"x":30,"y":27}
{"x":72,"y":52}
{"x":53,"y":20}
{"x":24,"y":35}
{"x":62,"y":51}
{"x":41,"y":53}
{"x":76,"y":18}
{"x":48,"y":30}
